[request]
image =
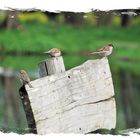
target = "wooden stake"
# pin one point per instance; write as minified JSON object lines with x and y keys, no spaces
{"x":51,"y":66}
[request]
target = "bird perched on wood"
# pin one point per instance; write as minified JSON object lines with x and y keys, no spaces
{"x":54,"y":52}
{"x":24,"y":78}
{"x":105,"y":51}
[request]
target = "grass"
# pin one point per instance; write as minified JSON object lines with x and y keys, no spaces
{"x":39,"y":37}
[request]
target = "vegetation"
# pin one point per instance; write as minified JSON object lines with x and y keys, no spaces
{"x":75,"y":40}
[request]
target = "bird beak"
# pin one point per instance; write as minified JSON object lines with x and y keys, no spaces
{"x":47,"y":52}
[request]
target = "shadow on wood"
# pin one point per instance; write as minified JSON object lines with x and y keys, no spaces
{"x":28,"y":110}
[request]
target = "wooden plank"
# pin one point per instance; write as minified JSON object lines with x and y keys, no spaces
{"x":51,"y":66}
{"x":79,"y":100}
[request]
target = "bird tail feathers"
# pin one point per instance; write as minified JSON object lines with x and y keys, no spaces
{"x":100,"y":52}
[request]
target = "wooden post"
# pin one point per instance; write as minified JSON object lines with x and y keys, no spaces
{"x":80,"y":100}
{"x":51,"y":66}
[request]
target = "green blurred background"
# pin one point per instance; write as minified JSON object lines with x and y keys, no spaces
{"x":25,"y":35}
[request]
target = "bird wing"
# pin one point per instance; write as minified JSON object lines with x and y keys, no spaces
{"x":95,"y":52}
{"x":100,"y":52}
{"x":104,"y":49}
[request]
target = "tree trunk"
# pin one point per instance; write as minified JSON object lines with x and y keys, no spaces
{"x":125,"y":19}
{"x":10,"y":21}
{"x":103,"y":18}
{"x":52,"y":16}
{"x":74,"y":18}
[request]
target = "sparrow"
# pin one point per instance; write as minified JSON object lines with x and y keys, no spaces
{"x":24,"y":78}
{"x":105,"y":51}
{"x":55,"y":52}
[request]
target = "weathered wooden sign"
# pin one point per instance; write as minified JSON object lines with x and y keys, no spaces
{"x":79,"y":100}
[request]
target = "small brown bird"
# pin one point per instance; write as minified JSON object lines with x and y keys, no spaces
{"x":55,"y":52}
{"x":105,"y":51}
{"x":24,"y":78}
